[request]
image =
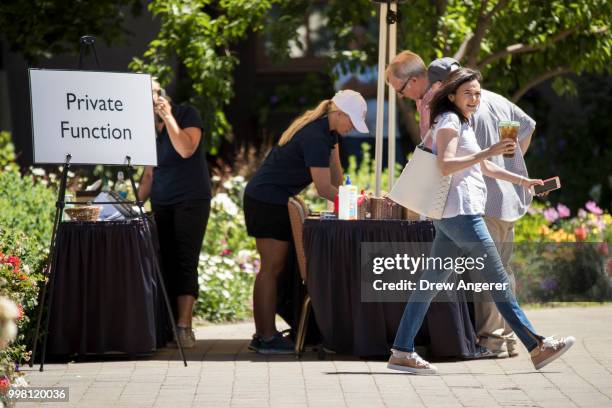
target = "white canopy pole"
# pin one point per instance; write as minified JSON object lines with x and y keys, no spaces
{"x":392,"y":103}
{"x":380,"y":96}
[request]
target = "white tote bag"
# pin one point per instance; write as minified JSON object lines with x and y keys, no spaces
{"x":421,"y":187}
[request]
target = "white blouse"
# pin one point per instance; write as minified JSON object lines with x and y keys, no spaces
{"x":468,"y":191}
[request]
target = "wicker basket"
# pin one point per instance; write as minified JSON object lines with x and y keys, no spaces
{"x":410,"y":215}
{"x":385,"y":209}
{"x":84,"y":213}
{"x":363,"y":210}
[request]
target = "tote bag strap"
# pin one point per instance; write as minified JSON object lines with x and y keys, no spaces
{"x":423,"y":144}
{"x":430,"y":133}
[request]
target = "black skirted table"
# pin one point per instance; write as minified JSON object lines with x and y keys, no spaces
{"x":348,"y":325}
{"x":106,"y":297}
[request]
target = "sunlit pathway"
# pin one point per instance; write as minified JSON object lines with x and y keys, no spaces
{"x":222,"y":372}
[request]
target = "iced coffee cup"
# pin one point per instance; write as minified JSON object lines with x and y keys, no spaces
{"x":508,"y":130}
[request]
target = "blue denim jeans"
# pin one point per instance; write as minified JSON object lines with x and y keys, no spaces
{"x":465,"y":234}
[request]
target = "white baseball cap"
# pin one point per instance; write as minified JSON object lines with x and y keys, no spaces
{"x":353,"y":104}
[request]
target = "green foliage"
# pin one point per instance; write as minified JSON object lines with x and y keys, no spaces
{"x":228,"y":261}
{"x":26,"y":207}
{"x":26,"y":216}
{"x":41,"y":28}
{"x":545,"y":38}
{"x":7,"y":151}
{"x":19,"y":282}
{"x":26,"y":211}
{"x":200,"y":34}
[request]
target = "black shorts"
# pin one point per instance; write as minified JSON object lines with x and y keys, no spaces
{"x":264,"y":220}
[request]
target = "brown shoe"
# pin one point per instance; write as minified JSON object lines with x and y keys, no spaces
{"x":550,"y":349}
{"x":412,"y":363}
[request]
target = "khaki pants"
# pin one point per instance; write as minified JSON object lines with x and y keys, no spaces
{"x":491,"y":328}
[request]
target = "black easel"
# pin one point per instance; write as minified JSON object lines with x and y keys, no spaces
{"x":51,"y":271}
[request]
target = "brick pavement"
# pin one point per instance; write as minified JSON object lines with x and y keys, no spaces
{"x":222,"y":372}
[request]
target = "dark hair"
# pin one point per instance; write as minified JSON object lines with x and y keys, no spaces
{"x":441,"y":104}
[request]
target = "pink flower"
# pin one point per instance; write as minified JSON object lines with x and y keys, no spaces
{"x":226,"y":252}
{"x":582,"y":213}
{"x":593,"y":208}
{"x":551,"y":215}
{"x":563,"y":211}
{"x":4,"y":383}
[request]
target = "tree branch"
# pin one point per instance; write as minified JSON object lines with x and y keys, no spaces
{"x":482,"y":26}
{"x":522,"y":48}
{"x":463,"y":47}
{"x":539,"y":79}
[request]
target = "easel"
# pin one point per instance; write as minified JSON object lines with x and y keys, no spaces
{"x":51,"y":270}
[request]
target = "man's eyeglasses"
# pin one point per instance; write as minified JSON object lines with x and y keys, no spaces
{"x":401,"y":90}
{"x":159,"y":92}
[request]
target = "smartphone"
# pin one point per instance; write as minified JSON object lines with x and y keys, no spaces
{"x":550,"y":184}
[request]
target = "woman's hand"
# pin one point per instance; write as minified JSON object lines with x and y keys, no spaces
{"x":528,"y":183}
{"x":163,"y":108}
{"x":505,"y":146}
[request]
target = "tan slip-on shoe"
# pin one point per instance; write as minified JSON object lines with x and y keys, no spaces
{"x":187,"y":337}
{"x":412,"y":363}
{"x":550,"y":349}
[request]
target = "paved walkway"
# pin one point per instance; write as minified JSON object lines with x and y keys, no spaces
{"x":223,"y":373}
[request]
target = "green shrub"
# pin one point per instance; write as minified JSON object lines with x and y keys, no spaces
{"x":228,"y":262}
{"x":26,"y":221}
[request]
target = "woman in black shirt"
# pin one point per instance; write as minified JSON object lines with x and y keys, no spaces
{"x":180,"y":196}
{"x":306,"y":152}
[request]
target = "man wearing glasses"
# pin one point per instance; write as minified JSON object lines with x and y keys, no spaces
{"x":408,"y":75}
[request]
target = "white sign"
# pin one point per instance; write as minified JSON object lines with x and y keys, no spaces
{"x":96,"y":117}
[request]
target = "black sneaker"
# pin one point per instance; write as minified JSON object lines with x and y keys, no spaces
{"x":255,"y":342}
{"x":277,"y":345}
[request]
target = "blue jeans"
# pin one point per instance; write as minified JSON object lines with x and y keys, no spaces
{"x":467,"y":234}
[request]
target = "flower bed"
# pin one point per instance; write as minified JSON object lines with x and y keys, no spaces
{"x":560,"y":257}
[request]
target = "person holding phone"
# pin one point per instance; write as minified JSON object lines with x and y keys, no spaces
{"x":179,"y":188}
{"x":306,"y":152}
{"x":506,"y":202}
{"x":462,"y":228}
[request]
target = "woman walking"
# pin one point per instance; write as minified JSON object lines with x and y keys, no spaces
{"x":462,"y":227}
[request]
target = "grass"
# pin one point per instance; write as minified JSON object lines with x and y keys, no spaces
{"x":550,"y":305}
